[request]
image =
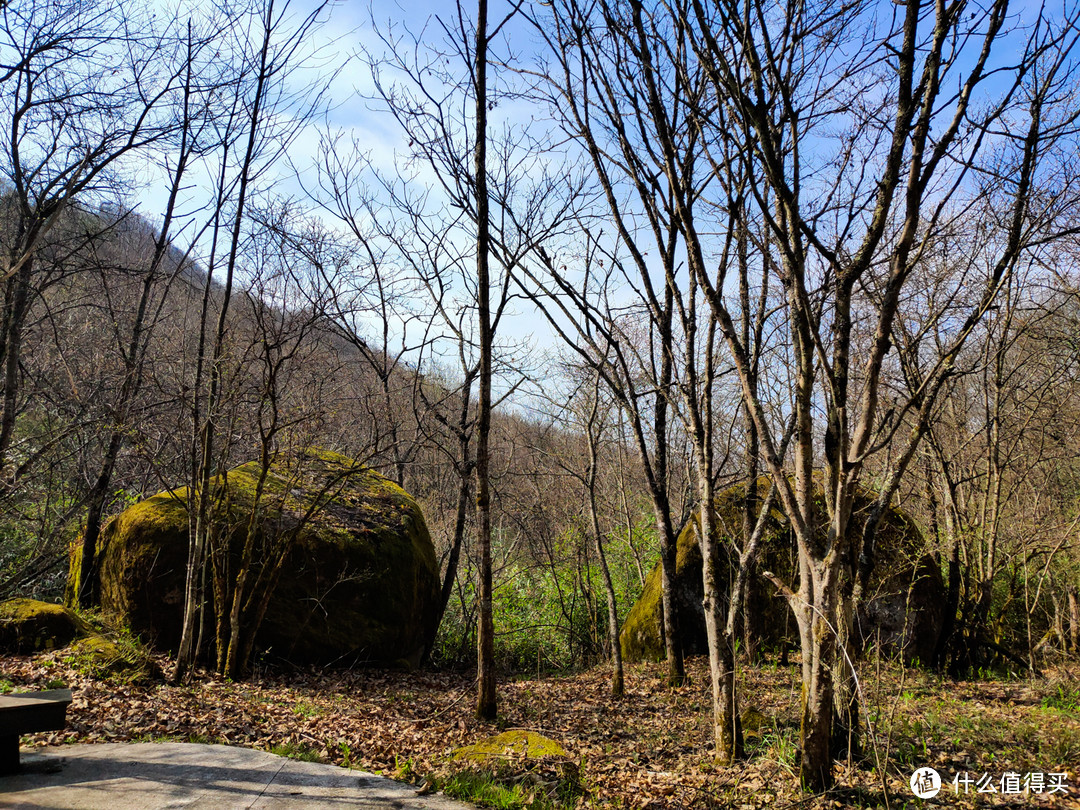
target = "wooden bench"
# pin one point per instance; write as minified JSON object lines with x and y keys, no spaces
{"x":25,"y":713}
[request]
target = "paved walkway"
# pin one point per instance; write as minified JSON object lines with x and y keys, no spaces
{"x":155,"y":776}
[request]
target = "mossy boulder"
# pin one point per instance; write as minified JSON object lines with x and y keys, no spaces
{"x":518,"y":758}
{"x":124,"y":661}
{"x":754,"y":721}
{"x":641,"y":638}
{"x":27,"y":626}
{"x":517,"y":744}
{"x":902,"y":610}
{"x":359,"y":582}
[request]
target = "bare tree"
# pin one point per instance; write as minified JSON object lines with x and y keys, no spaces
{"x":584,"y":413}
{"x":162,"y":265}
{"x":1001,"y":454}
{"x":778,"y":78}
{"x":593,"y":89}
{"x":635,"y":122}
{"x":287,"y":405}
{"x":81,"y":91}
{"x":480,"y":198}
{"x":636,"y":370}
{"x":260,"y":119}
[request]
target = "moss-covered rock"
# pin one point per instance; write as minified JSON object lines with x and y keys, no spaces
{"x":510,"y":761}
{"x":360,"y":582}
{"x":641,"y":638}
{"x":124,"y":660}
{"x":901,"y":611}
{"x":753,"y":721}
{"x":519,"y":743}
{"x":27,"y":625}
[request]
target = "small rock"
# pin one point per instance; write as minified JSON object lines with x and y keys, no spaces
{"x":27,"y":625}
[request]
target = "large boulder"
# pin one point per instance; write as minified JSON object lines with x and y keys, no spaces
{"x":359,"y":584}
{"x":27,"y":626}
{"x":902,"y":610}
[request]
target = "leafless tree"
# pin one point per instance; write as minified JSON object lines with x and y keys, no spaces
{"x":584,"y":413}
{"x":260,"y":117}
{"x":850,"y":227}
{"x":84,"y":86}
{"x":999,"y":468}
{"x":287,"y":402}
{"x":477,"y":197}
{"x":627,"y":91}
{"x":163,"y":264}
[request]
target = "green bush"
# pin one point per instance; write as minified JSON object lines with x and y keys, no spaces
{"x":548,"y":617}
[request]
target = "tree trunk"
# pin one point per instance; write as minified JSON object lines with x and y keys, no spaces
{"x":815,"y":766}
{"x":952,"y":605}
{"x":88,"y":565}
{"x":220,"y":561}
{"x":1074,"y":621}
{"x":452,"y":560}
{"x":133,"y":362}
{"x":194,"y":613}
{"x":819,"y":646}
{"x":662,"y":505}
{"x":676,"y":671}
{"x":727,"y":729}
{"x":236,"y":655}
{"x":617,"y":683}
{"x":740,"y":624}
{"x":846,"y":723}
{"x":17,"y":302}
{"x":486,"y":708}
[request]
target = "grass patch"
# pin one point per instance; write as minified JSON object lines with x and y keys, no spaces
{"x":118,"y":657}
{"x":296,"y":750}
{"x":305,"y":709}
{"x":523,"y":791}
{"x":1065,"y":698}
{"x":776,"y":743}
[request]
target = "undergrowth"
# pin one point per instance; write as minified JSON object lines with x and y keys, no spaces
{"x":511,"y":789}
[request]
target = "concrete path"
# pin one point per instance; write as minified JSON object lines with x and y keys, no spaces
{"x":155,"y":776}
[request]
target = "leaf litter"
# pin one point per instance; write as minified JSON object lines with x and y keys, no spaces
{"x":650,"y":749}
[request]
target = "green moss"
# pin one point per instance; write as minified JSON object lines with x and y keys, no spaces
{"x":753,"y":721}
{"x":27,"y":625}
{"x":640,"y":636}
{"x":121,"y":659}
{"x":516,"y":769}
{"x":507,"y":791}
{"x":296,"y":750}
{"x":96,"y":648}
{"x":517,"y":743}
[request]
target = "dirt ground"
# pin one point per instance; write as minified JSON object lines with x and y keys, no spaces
{"x":993,"y":742}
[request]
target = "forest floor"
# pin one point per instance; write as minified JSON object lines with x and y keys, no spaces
{"x":650,"y":749}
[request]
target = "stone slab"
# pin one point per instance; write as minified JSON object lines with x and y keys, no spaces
{"x":156,"y":776}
